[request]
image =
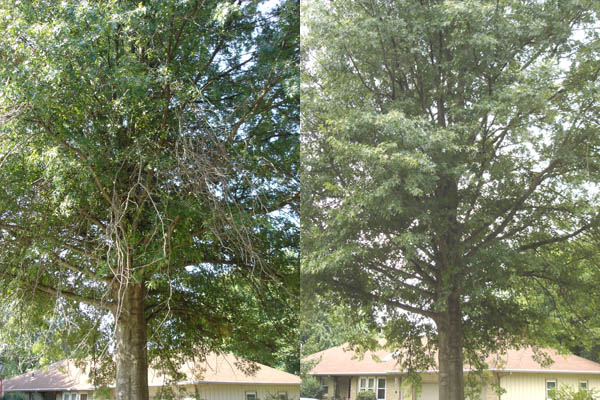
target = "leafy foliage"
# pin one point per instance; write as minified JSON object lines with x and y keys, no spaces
{"x":565,"y":392}
{"x":450,"y":148}
{"x":310,"y":386}
{"x":321,"y":325}
{"x":152,"y":144}
{"x":366,"y":395}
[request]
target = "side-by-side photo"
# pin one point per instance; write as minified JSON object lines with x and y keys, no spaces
{"x":299,"y":200}
{"x":450,"y":199}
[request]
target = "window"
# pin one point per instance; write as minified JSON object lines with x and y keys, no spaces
{"x":550,"y":386}
{"x":83,"y":396}
{"x":250,"y":395}
{"x":583,"y":385}
{"x":371,"y":385}
{"x":325,"y":384}
{"x":381,"y":389}
{"x":362,"y":384}
{"x":374,"y":384}
{"x":282,"y":396}
{"x":69,"y":396}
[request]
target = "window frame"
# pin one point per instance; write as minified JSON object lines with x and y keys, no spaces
{"x":69,"y":396}
{"x":362,"y":387}
{"x":586,"y":383}
{"x":363,"y":384}
{"x":251,"y":393}
{"x":548,"y":389}
{"x":324,"y":381}
{"x":284,"y":394}
{"x":384,"y":388}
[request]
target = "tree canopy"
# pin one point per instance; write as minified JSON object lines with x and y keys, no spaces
{"x":448,"y":147}
{"x":149,"y":155}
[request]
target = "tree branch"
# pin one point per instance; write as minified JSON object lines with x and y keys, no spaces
{"x":106,"y":305}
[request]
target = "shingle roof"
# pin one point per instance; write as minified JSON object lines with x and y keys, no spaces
{"x":227,"y":368}
{"x":61,"y":375}
{"x":525,"y":360}
{"x":223,"y":368}
{"x":342,"y":361}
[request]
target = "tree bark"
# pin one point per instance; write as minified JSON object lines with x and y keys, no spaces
{"x":132,"y":355}
{"x":450,"y":359}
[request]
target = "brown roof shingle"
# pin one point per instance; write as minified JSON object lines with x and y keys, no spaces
{"x":342,"y":361}
{"x":61,"y":375}
{"x":222,"y":368}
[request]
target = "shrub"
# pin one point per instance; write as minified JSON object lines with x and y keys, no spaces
{"x":366,"y":395}
{"x":568,"y":393}
{"x":310,"y":387}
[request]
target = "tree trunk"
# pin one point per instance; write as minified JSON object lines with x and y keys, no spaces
{"x":450,"y":359}
{"x":132,"y":356}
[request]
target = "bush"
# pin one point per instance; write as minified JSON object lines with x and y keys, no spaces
{"x":366,"y":395}
{"x":568,"y":393}
{"x":310,"y":387}
{"x":13,"y":396}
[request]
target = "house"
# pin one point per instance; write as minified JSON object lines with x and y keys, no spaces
{"x":219,"y":377}
{"x":342,"y":375}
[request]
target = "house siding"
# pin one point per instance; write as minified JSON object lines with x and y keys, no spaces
{"x":395,"y":390}
{"x":532,"y":386}
{"x":58,"y":395}
{"x":518,"y":386}
{"x":212,"y":391}
{"x":206,"y":391}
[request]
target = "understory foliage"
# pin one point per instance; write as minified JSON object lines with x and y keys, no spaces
{"x":310,"y":386}
{"x":450,"y":164}
{"x":569,"y":393}
{"x":151,"y":146}
{"x":366,"y":395}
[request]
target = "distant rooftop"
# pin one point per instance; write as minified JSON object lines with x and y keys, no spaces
{"x":218,"y":369}
{"x":342,"y":361}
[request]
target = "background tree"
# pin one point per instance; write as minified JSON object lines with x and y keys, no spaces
{"x":148,"y":156}
{"x":321,"y":325}
{"x":310,"y":386}
{"x":445,"y":144}
{"x":568,"y":295}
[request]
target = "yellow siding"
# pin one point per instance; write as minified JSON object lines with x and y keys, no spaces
{"x":330,"y":387}
{"x":490,"y":393}
{"x":396,"y":390}
{"x":518,"y":386}
{"x":532,"y":386}
{"x":393,"y":387}
{"x":354,"y":387}
{"x":430,"y":378}
{"x":231,"y":391}
{"x":59,"y":394}
{"x":392,"y":382}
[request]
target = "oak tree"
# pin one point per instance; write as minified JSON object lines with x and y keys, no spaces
{"x":445,"y":143}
